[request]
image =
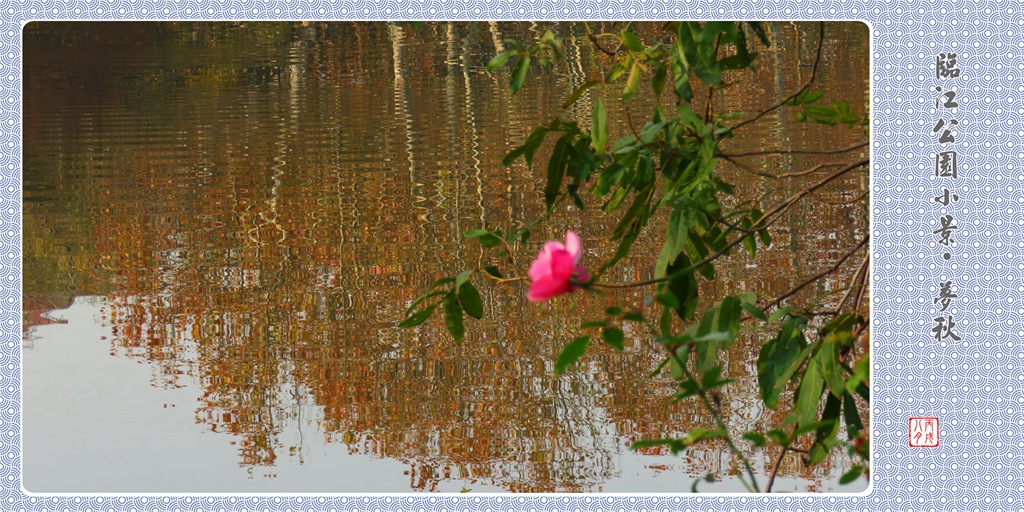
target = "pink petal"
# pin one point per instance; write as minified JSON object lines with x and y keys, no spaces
{"x":562,"y":265}
{"x":541,"y":266}
{"x":555,"y":280}
{"x":572,"y":244}
{"x":546,"y":288}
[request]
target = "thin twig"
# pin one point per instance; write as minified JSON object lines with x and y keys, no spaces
{"x":708,"y":107}
{"x":775,"y":470}
{"x":611,"y":53}
{"x":814,"y":72}
{"x":853,"y":284}
{"x":841,"y":203}
{"x":793,"y":151}
{"x":809,"y":171}
{"x":862,"y":282}
{"x":812,"y":170}
{"x":747,"y":167}
{"x":702,"y":393}
{"x":593,"y":39}
{"x":814,"y":278}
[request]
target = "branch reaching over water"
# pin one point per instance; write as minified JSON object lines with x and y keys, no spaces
{"x":702,"y":393}
{"x":775,"y":470}
{"x":793,"y":151}
{"x":814,"y":278}
{"x":763,"y":222}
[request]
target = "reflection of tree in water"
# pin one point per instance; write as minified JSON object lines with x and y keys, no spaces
{"x":272,"y":260}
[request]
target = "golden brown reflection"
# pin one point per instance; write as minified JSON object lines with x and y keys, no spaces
{"x":259,"y":202}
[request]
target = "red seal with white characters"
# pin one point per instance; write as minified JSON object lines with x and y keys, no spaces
{"x":924,"y":432}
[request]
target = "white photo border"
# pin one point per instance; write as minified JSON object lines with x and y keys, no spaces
{"x":974,"y":385}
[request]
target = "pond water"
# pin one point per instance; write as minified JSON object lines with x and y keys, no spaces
{"x":223,"y":224}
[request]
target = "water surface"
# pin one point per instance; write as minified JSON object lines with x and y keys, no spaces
{"x":223,"y":224}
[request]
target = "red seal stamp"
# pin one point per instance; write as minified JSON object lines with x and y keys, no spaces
{"x":924,"y":432}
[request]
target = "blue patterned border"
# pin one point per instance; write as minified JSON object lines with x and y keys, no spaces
{"x":974,"y":385}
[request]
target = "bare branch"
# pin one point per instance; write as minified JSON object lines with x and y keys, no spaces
{"x":793,"y":151}
{"x":757,"y":225}
{"x":814,"y":72}
{"x":775,"y":470}
{"x":814,"y":278}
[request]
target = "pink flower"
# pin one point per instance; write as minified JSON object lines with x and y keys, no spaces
{"x":555,"y":269}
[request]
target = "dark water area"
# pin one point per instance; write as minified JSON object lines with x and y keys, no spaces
{"x":223,"y":224}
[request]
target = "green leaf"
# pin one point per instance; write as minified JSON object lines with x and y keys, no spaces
{"x":599,"y":128}
{"x":779,"y":313}
{"x":443,"y":280}
{"x":728,"y":317}
{"x":844,"y":322}
{"x":778,"y":360}
{"x":805,"y":406}
{"x":680,"y":76}
{"x":698,"y":434}
{"x":712,"y":379}
{"x":470,"y":300}
{"x":750,"y":244}
{"x":493,"y":270}
{"x":419,"y":317}
{"x":851,"y":416}
{"x":851,"y":475}
{"x":828,"y":429}
{"x":575,"y":96}
{"x":756,"y":438}
{"x":735,"y":62}
{"x":678,"y":373}
{"x":650,"y":133}
{"x":613,"y":311}
{"x":684,"y":287}
{"x":647,"y":443}
{"x":658,"y":81}
{"x":528,"y":148}
{"x":461,"y":278}
{"x":780,"y":437}
{"x":500,"y":59}
{"x":617,"y":70}
{"x":811,"y":97}
{"x":490,"y":240}
{"x":754,"y":311}
{"x":519,"y":75}
{"x":556,"y":169}
{"x":668,"y":299}
{"x":864,"y":392}
{"x":633,"y":316}
{"x":803,"y":429}
{"x":614,"y":337}
{"x":676,"y":238}
{"x":687,"y":389}
{"x":827,"y":360}
{"x":758,"y":29}
{"x":474,"y":233}
{"x":513,"y":155}
{"x":423,"y":298}
{"x":632,"y":83}
{"x":711,"y":29}
{"x":453,"y":317}
{"x":571,"y":353}
{"x":631,"y":42}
